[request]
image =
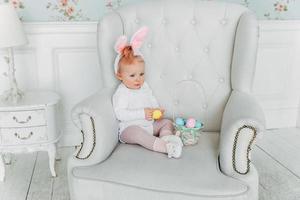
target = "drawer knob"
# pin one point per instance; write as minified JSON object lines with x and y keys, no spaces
{"x":22,"y":122}
{"x":24,"y":138}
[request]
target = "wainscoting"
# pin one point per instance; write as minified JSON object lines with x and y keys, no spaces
{"x":63,"y":57}
{"x":277,"y":78}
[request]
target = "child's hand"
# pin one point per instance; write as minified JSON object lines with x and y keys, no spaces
{"x":162,"y":111}
{"x":148,"y":113}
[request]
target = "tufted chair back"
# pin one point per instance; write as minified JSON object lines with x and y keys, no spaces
{"x":189,"y":52}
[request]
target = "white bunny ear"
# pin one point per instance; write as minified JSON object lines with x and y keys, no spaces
{"x":120,"y":44}
{"x":138,"y":37}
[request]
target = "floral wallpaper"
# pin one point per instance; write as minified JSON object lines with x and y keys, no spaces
{"x":66,"y":10}
{"x":92,"y":10}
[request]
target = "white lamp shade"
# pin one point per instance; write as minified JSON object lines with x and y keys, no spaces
{"x":11,"y":29}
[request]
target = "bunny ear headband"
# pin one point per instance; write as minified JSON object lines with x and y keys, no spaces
{"x":136,"y":42}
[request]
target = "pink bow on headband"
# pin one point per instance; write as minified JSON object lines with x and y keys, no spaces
{"x":136,"y":42}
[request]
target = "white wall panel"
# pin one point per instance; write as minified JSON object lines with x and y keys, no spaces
{"x":277,"y":77}
{"x":77,"y":76}
{"x":272,"y":71}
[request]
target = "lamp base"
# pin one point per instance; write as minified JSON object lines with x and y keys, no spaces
{"x":13,"y":95}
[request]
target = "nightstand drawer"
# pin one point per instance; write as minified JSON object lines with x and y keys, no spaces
{"x":22,"y":118}
{"x":13,"y":136}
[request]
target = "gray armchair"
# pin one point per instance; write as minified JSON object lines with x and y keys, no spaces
{"x":211,"y":43}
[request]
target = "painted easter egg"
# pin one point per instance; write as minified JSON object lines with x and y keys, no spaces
{"x":198,"y":124}
{"x":190,"y":123}
{"x":179,"y":121}
{"x":156,"y":114}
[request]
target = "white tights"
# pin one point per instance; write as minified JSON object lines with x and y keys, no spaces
{"x":137,"y":135}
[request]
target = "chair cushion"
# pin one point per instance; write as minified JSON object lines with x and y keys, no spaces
{"x":195,"y":173}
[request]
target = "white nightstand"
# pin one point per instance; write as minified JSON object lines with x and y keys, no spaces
{"x":31,"y":125}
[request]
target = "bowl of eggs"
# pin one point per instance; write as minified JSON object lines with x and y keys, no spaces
{"x":188,"y":130}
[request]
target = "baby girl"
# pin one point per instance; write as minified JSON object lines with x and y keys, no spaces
{"x":134,"y":102}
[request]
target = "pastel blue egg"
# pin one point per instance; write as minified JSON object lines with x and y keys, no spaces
{"x":198,"y":124}
{"x":179,"y":121}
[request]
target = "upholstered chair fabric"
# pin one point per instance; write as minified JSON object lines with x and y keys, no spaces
{"x":200,"y":61}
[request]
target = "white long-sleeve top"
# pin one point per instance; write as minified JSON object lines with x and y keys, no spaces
{"x":129,"y":106}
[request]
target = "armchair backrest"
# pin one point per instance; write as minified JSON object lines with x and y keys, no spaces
{"x":196,"y":52}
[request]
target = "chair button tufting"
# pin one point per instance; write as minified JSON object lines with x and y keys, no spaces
{"x":190,"y":77}
{"x":193,"y":22}
{"x":204,"y":106}
{"x":149,"y":45}
{"x":221,"y":80}
{"x":223,"y":21}
{"x":206,"y":49}
{"x":176,"y":48}
{"x":176,"y":102}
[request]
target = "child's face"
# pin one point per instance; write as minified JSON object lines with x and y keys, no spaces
{"x":132,"y":75}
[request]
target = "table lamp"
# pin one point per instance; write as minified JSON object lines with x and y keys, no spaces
{"x":11,"y":35}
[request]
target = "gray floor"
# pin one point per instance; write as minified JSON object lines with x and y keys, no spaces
{"x":276,"y":158}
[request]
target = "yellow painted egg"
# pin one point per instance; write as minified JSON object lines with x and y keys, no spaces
{"x":156,"y":114}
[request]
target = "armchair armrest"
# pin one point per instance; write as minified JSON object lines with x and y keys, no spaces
{"x":95,"y":118}
{"x":243,"y":120}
